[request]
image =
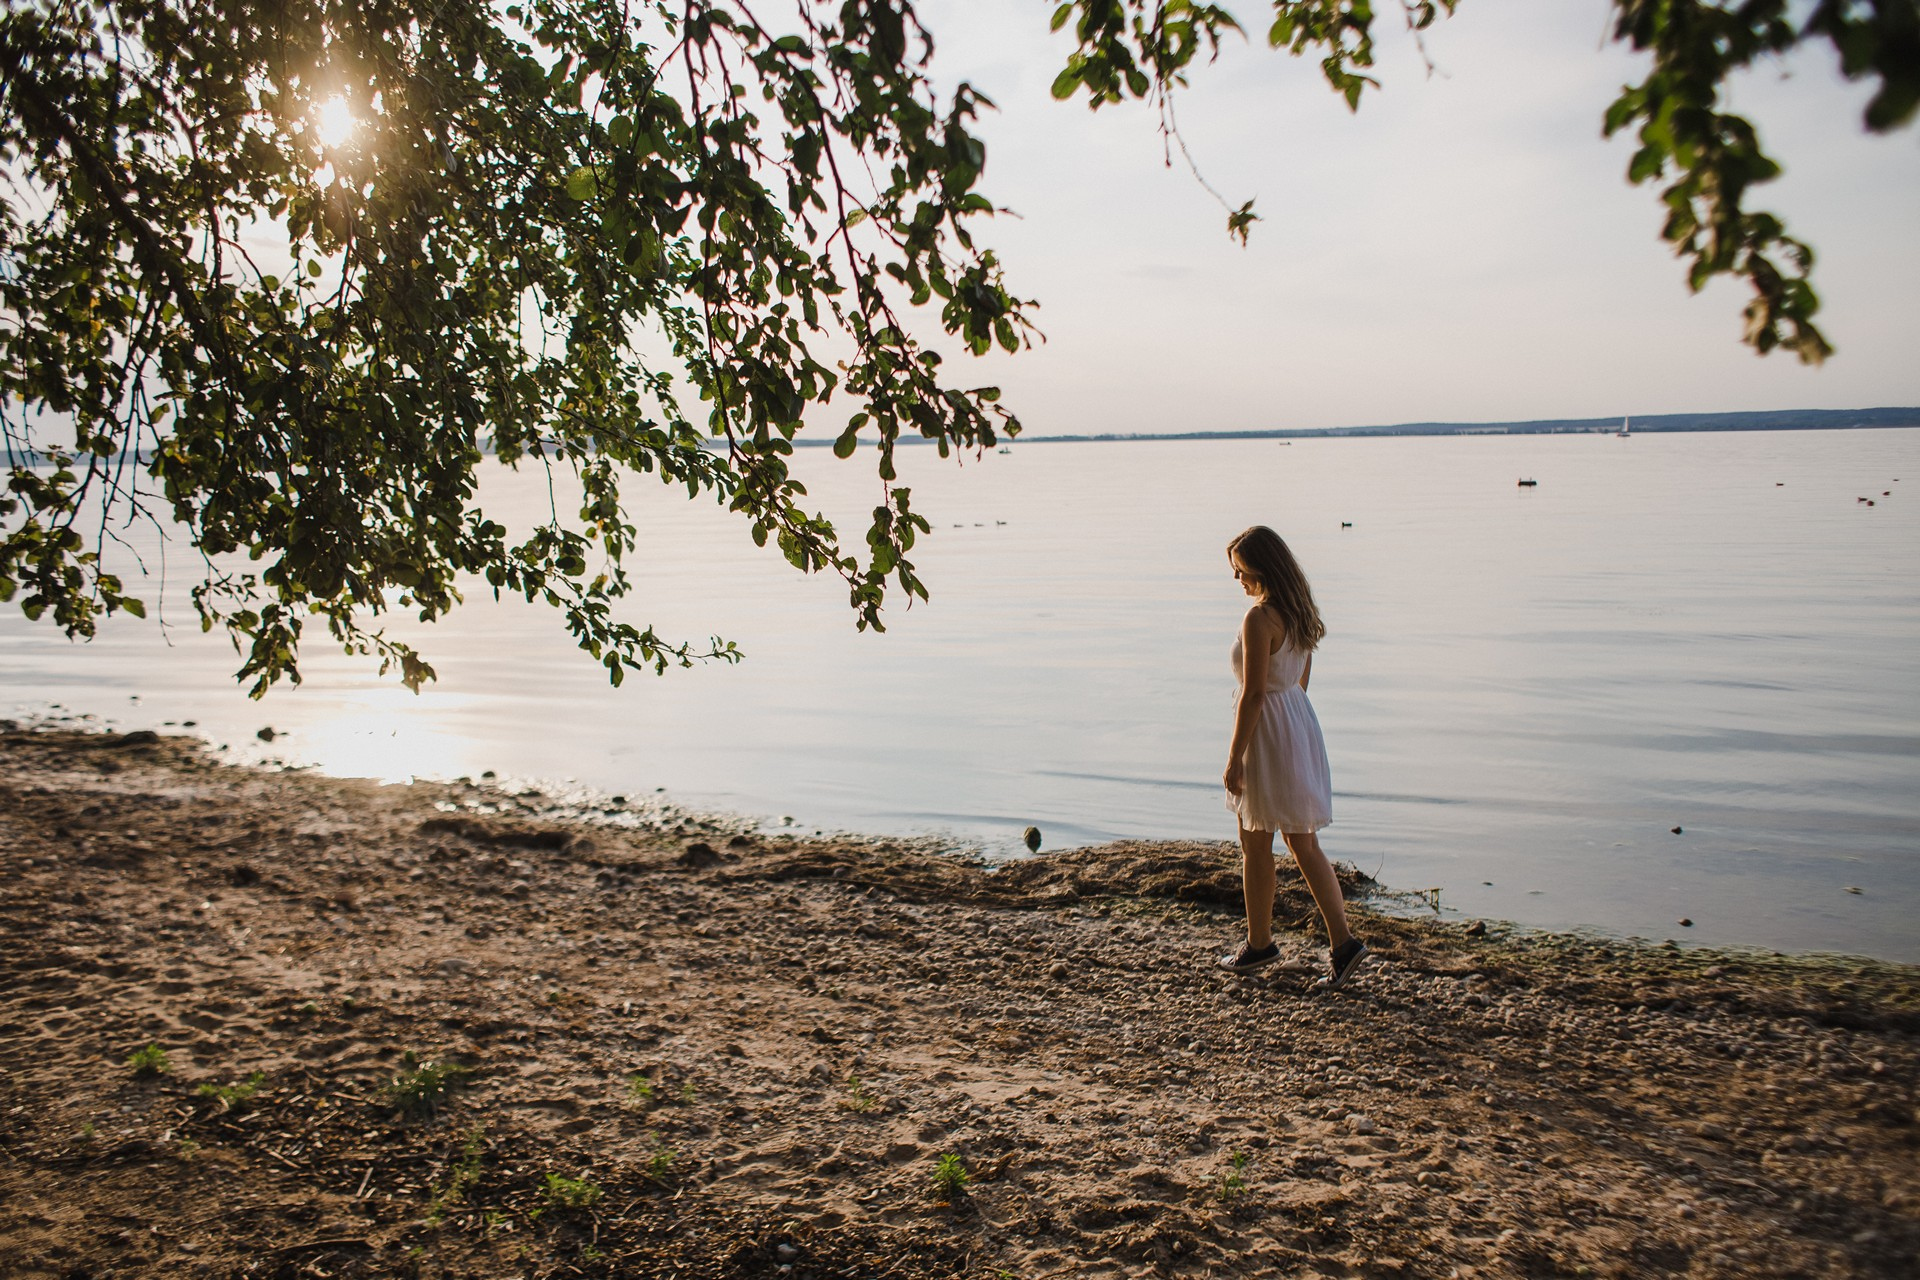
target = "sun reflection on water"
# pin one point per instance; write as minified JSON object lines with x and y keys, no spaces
{"x":391,"y":736}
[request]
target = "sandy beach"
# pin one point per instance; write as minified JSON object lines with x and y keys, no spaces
{"x":262,"y":1023}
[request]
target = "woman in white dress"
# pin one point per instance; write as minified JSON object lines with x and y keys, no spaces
{"x":1276,"y":774}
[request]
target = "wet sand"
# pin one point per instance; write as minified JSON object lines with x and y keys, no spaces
{"x":440,"y":1030}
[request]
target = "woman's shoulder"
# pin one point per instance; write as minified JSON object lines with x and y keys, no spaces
{"x":1261,"y":620}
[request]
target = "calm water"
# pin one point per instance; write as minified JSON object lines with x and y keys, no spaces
{"x":1523,"y":690}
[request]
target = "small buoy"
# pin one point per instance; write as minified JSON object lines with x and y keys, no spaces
{"x":1032,"y":837}
{"x":1676,"y":831}
{"x":1346,"y":524}
{"x":1684,"y":922}
{"x":267,"y":734}
{"x":1528,"y":484}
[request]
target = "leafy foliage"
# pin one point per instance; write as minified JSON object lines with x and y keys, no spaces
{"x":1144,"y":48}
{"x":288,"y":274}
{"x":1715,"y":156}
{"x":291,"y":270}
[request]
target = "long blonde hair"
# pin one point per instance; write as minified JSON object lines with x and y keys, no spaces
{"x":1283,"y":586}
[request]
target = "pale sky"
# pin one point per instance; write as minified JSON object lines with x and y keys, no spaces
{"x":1465,"y":248}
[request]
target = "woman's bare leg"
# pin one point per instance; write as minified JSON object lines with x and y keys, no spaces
{"x":1321,"y":882}
{"x":1257,"y":885}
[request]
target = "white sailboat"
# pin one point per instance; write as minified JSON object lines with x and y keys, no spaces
{"x":1626,"y":429}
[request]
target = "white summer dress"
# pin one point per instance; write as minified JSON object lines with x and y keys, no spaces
{"x":1287,"y":786}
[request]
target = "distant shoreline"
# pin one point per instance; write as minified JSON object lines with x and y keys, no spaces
{"x":1657,"y":423}
{"x":1651,"y":424}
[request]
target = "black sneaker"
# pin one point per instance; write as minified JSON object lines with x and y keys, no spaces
{"x":1345,"y":962}
{"x":1246,"y":959}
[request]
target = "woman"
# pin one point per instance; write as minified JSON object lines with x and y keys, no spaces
{"x":1277,"y":764}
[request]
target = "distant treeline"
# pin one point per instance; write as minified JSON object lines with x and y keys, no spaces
{"x":1771,"y":420}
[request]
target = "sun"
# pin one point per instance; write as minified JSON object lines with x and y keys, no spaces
{"x":335,"y":120}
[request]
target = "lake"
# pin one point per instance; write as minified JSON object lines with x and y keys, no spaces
{"x":1524,"y":689}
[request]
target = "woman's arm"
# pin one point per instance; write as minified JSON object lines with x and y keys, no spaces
{"x":1255,"y":642}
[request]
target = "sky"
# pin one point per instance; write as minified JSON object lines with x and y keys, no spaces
{"x":1464,"y":248}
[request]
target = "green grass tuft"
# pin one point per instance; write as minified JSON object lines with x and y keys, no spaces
{"x":423,"y":1087}
{"x":857,"y":1099}
{"x":233,"y":1096}
{"x":150,"y":1061}
{"x":660,"y":1161}
{"x":572,"y":1193}
{"x":950,"y":1176}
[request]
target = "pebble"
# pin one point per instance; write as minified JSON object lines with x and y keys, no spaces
{"x":699,"y":854}
{"x":1357,"y":1123}
{"x":785,"y":1252}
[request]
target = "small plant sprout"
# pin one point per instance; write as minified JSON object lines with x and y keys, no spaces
{"x":1234,"y":1184}
{"x":87,"y":1131}
{"x":232,"y":1097}
{"x":460,"y":1179}
{"x":640,"y":1089}
{"x":857,"y":1099}
{"x":423,"y":1086}
{"x":950,"y":1176}
{"x":150,"y":1061}
{"x":688,"y":1094}
{"x":660,"y":1160}
{"x":571,"y":1193}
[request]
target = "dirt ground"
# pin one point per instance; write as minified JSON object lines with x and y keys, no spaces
{"x":445,"y":1031}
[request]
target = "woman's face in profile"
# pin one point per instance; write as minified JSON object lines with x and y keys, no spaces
{"x":1249,"y":583}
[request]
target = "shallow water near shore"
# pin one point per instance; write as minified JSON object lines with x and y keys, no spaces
{"x":1527,"y":686}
